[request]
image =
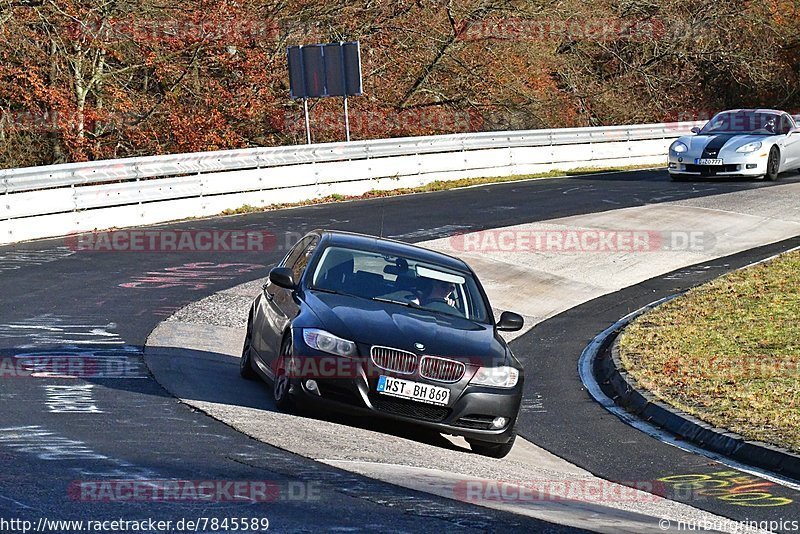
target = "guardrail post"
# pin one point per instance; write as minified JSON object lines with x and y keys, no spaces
{"x":510,"y":155}
{"x":136,"y":170}
{"x":74,"y":201}
{"x":463,"y":151}
{"x":202,"y":186}
{"x":7,"y":237}
{"x":628,"y":139}
{"x":7,"y":204}
{"x":260,"y":175}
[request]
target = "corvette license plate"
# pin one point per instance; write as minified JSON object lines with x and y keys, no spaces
{"x":707,"y":161}
{"x":405,"y":389}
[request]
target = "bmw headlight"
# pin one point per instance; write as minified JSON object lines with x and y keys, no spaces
{"x":678,"y":147}
{"x":749,"y":147}
{"x":496,"y":377}
{"x":327,"y":342}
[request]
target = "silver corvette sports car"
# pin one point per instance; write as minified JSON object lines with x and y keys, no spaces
{"x":742,"y":142}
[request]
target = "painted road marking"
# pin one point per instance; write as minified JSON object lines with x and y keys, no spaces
{"x":46,"y":445}
{"x":732,"y":487}
{"x":434,"y":233}
{"x":57,"y":346}
{"x":124,"y":362}
{"x":49,"y":329}
{"x":49,"y":446}
{"x":18,"y":259}
{"x":193,"y":276}
{"x":71,"y":399}
{"x":533,"y":404}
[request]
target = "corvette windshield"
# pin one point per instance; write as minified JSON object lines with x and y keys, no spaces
{"x":404,"y":281}
{"x":746,"y":122}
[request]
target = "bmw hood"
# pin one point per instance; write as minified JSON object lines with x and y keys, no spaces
{"x":369,"y":322}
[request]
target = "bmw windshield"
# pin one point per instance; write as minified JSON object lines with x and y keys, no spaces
{"x":399,"y":280}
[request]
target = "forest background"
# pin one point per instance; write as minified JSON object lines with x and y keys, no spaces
{"x":93,"y":79}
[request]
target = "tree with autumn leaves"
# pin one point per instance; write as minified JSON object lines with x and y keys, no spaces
{"x":93,"y":79}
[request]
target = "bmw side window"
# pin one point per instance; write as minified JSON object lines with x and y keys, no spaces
{"x":302,"y":260}
{"x":291,"y":257}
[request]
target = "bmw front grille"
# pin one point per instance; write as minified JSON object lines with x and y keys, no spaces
{"x":441,"y":369}
{"x":398,"y":361}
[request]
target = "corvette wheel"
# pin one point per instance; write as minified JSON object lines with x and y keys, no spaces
{"x":773,"y":164}
{"x":281,"y":384}
{"x":246,"y":361}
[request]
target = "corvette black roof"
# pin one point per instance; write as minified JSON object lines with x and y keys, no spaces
{"x":762,"y":111}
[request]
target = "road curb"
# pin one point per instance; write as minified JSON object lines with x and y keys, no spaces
{"x":626,"y":392}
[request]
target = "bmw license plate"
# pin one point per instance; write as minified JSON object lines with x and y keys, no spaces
{"x":708,"y":161}
{"x":406,"y":389}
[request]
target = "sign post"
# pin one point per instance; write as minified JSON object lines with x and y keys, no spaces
{"x":308,"y":122}
{"x":346,"y":121}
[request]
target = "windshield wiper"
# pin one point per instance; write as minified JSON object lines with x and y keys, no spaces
{"x":407,"y":304}
{"x":331,"y":291}
{"x":342,"y":293}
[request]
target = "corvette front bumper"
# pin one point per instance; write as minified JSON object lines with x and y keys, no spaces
{"x":738,"y":165}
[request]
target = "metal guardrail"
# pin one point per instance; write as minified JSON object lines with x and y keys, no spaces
{"x":93,"y":172}
{"x":185,"y":185}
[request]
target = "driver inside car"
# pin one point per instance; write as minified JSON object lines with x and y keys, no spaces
{"x":438,"y":296}
{"x":440,"y":291}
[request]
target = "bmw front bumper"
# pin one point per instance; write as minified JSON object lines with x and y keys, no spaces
{"x":474,"y":407}
{"x":468,"y":413}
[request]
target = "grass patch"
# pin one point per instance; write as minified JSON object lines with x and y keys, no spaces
{"x":728,"y":352}
{"x":438,"y":185}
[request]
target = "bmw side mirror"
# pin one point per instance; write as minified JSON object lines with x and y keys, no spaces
{"x":510,"y":322}
{"x":695,"y":130}
{"x":282,"y":277}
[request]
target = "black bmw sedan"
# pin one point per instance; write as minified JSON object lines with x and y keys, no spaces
{"x":371,"y":326}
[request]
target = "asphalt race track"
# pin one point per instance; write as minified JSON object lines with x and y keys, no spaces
{"x":102,"y":307}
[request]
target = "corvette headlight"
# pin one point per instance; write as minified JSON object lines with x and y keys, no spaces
{"x":678,"y":147}
{"x":327,"y":342}
{"x":496,"y":377}
{"x":749,"y":147}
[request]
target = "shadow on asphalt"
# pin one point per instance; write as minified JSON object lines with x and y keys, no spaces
{"x":212,"y":377}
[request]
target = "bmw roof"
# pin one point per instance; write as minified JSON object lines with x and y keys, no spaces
{"x":389,"y":246}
